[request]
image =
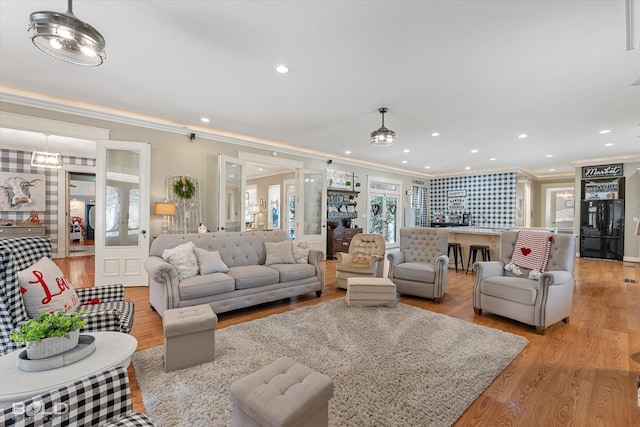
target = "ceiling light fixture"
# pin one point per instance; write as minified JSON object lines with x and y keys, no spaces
{"x":65,"y":37}
{"x":435,"y":134}
{"x":604,"y":131}
{"x":522,"y":136}
{"x":44,"y":159}
{"x":282,"y":69}
{"x":205,"y":119}
{"x":382,"y":137}
{"x":609,"y":144}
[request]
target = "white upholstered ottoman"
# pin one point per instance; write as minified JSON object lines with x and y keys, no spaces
{"x":189,"y":336}
{"x":370,"y":292}
{"x":283,"y":394}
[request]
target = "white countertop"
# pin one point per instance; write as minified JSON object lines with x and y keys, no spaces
{"x":495,"y":230}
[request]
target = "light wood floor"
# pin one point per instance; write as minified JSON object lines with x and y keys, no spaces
{"x":583,"y":373}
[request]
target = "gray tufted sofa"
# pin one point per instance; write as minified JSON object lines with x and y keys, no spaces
{"x":248,"y":281}
{"x":420,"y":267}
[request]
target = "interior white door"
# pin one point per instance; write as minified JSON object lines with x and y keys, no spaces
{"x":311,"y":210}
{"x":231,"y":193}
{"x":122,"y":213}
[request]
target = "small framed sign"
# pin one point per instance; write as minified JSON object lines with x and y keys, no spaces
{"x":602,"y":171}
{"x":457,"y":193}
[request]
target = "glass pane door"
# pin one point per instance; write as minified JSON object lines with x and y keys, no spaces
{"x":232,"y":194}
{"x":383,"y":218}
{"x":311,"y":215}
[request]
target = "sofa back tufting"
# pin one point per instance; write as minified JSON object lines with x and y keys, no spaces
{"x":236,"y":248}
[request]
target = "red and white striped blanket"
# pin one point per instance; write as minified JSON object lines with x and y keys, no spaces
{"x":532,"y":252}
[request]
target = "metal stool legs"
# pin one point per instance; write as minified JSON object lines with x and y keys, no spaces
{"x":457,"y":249}
{"x":473,"y":252}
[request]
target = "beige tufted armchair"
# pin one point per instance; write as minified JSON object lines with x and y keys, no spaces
{"x":365,"y":259}
{"x":420,"y":267}
{"x":540,"y":302}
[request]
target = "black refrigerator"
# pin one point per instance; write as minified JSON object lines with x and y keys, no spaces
{"x":602,"y":229}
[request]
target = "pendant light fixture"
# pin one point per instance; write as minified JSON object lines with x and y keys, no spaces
{"x":65,"y":37}
{"x":383,"y":137}
{"x":44,"y":159}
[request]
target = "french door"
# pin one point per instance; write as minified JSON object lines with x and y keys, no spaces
{"x":231,"y":193}
{"x":384,"y":207}
{"x":311,"y":209}
{"x":122,"y":213}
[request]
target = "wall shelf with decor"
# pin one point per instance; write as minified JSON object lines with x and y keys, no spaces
{"x":341,"y":213}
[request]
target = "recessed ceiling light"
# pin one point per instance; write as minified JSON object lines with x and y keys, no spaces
{"x":522,"y":136}
{"x":260,"y":169}
{"x":474,"y":151}
{"x":231,"y":176}
{"x":552,"y":170}
{"x":404,"y":162}
{"x":282,"y":69}
{"x":205,"y":119}
{"x":435,"y":134}
{"x":347,"y":152}
{"x":467,"y":168}
{"x":406,"y":150}
{"x":427,"y":167}
{"x":608,"y":144}
{"x":603,"y":131}
{"x":549,"y":155}
{"x":492,"y":158}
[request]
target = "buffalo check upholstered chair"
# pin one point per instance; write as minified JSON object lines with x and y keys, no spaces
{"x":540,"y":302}
{"x":102,"y":399}
{"x":112,"y":313}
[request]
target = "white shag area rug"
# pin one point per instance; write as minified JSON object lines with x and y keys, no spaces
{"x":401,"y":366}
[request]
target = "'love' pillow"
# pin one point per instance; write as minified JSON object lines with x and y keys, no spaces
{"x":45,"y":288}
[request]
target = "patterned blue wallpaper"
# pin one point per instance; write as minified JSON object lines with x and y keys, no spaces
{"x":490,"y":198}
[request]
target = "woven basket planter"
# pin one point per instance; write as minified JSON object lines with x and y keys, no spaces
{"x":51,"y":346}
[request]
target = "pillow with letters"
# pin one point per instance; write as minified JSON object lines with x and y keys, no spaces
{"x":44,"y":288}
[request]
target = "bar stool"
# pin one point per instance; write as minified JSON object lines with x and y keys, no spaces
{"x":457,"y":249}
{"x":473,"y":251}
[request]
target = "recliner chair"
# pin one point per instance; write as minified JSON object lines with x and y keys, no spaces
{"x":365,"y":259}
{"x":542,"y":302}
{"x":420,"y":267}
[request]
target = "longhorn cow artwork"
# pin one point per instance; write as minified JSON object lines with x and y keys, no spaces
{"x":22,"y":192}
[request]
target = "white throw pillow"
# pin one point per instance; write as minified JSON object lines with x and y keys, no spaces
{"x":44,"y":288}
{"x":183,"y":259}
{"x":301,"y":251}
{"x":279,"y":253}
{"x":210,"y":261}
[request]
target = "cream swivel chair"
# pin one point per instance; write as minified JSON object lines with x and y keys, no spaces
{"x":365,"y":259}
{"x":420,"y":267}
{"x":539,"y":302}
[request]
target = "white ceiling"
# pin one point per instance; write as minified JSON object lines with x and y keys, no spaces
{"x":478,"y":72}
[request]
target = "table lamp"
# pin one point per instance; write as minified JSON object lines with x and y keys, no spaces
{"x":166,"y":209}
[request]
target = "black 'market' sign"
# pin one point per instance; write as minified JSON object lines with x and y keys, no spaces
{"x":602,"y":171}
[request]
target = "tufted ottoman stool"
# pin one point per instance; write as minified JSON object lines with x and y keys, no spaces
{"x":189,"y":336}
{"x":283,"y":394}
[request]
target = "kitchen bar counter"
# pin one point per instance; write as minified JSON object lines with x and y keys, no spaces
{"x":489,"y":236}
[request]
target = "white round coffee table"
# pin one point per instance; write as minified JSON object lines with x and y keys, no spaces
{"x":112,"y":349}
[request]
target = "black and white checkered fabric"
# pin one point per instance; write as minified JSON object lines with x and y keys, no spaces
{"x":94,"y":400}
{"x":16,"y":254}
{"x":112,"y":314}
{"x":137,"y":419}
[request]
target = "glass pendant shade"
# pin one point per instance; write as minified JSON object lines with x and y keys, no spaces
{"x":382,"y":137}
{"x":65,"y":37}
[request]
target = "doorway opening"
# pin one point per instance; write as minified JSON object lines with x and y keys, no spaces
{"x":81,"y":213}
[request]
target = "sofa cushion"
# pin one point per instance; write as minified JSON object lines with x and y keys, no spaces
{"x":279,"y":253}
{"x":415,"y":271}
{"x":210,"y":261}
{"x":291,"y":272}
{"x":183,"y":259}
{"x":45,"y":288}
{"x":252,"y":276}
{"x":300,"y":250}
{"x":203,"y":286}
{"x":515,"y":289}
